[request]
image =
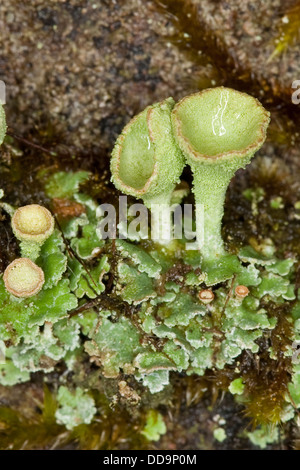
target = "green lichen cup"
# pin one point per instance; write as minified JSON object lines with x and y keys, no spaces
{"x":147,"y":163}
{"x":32,"y":225}
{"x":218,"y":130}
{"x":23,"y":278}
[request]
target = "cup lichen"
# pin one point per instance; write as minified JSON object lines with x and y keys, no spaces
{"x":218,"y":130}
{"x":23,"y":278}
{"x":147,"y":163}
{"x":32,"y":225}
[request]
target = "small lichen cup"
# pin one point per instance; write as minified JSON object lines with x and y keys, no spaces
{"x":32,"y":225}
{"x":218,"y":130}
{"x":147,"y":163}
{"x":23,"y":278}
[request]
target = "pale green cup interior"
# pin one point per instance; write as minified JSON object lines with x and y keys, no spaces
{"x":136,"y":164}
{"x":220,"y":120}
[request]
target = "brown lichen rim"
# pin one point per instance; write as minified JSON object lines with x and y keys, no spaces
{"x":32,"y":236}
{"x":117,"y":156}
{"x":23,"y":293}
{"x":241,"y":291}
{"x":261,"y":133}
{"x":206,"y":296}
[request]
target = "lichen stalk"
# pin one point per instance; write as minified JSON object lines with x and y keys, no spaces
{"x":161,"y":227}
{"x":209,"y":187}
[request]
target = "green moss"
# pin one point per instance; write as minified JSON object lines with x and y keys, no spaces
{"x":288,"y":32}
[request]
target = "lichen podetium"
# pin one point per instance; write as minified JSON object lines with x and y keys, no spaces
{"x":32,"y":225}
{"x":147,"y":163}
{"x":218,"y":130}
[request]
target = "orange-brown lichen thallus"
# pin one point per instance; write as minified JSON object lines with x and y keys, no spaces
{"x":23,"y":278}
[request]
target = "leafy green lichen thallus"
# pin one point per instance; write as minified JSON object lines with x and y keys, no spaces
{"x":147,"y":163}
{"x":32,"y":225}
{"x":23,"y":278}
{"x":218,"y":130}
